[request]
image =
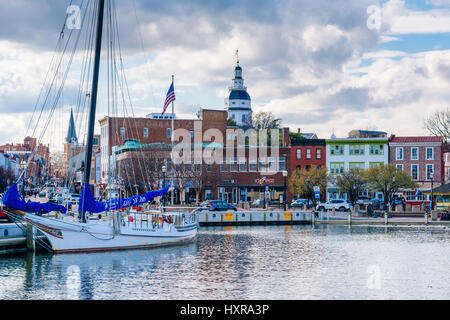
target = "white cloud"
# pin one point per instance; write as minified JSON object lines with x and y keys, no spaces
{"x":397,"y":19}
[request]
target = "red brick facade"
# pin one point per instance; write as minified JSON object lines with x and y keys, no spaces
{"x":39,"y":167}
{"x":414,"y":154}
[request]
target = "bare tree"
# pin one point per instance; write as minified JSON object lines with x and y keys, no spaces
{"x":438,"y":124}
{"x":265,"y":120}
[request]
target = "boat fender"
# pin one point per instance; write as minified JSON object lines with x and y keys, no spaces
{"x":130,"y":218}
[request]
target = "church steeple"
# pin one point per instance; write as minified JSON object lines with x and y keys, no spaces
{"x":71,"y":133}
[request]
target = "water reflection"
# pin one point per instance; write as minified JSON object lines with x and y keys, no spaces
{"x":273,"y":262}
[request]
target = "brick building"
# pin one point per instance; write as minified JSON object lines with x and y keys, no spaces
{"x":236,"y":179}
{"x":242,"y":176}
{"x":422,"y":158}
{"x":306,"y":153}
{"x":39,"y":167}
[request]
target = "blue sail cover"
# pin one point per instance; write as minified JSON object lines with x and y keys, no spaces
{"x":12,"y":199}
{"x":88,"y":203}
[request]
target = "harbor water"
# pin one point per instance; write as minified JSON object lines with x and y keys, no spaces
{"x":257,"y":262}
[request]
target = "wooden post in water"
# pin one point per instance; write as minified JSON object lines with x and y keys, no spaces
{"x":350,"y":218}
{"x":386,"y":218}
{"x":313,"y":217}
{"x":426,"y":218}
{"x":31,"y":245}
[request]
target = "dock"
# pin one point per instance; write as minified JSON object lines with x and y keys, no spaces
{"x":248,"y":218}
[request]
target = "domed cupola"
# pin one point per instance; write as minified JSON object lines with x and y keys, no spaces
{"x":238,"y":102}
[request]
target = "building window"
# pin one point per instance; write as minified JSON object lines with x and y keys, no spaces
{"x":415,"y":153}
{"x":318,"y":154}
{"x":308,"y":154}
{"x":242,"y":164}
{"x":399,"y":166}
{"x":399,"y":153}
{"x":336,"y":149}
{"x":336,"y":167}
{"x":224,"y":167}
{"x":357,"y":149}
{"x":169,"y":133}
{"x":375,"y":164}
{"x":145,"y":132}
{"x":298,"y":168}
{"x":281,"y":163}
{"x":252,"y":166}
{"x":272,"y":165}
{"x":356,"y":165}
{"x":376,"y":149}
{"x":233,"y":164}
{"x":430,"y":155}
{"x":262,"y":165}
{"x":122,"y":132}
{"x":299,"y":154}
{"x":430,"y":171}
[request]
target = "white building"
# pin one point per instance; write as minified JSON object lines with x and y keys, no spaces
{"x":345,"y":154}
{"x":238,"y":102}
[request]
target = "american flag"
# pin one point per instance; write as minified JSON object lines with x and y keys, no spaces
{"x":169,"y":97}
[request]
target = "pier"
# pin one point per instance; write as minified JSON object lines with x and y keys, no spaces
{"x":254,"y":218}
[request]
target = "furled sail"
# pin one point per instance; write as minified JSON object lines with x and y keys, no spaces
{"x":13,"y":200}
{"x":89,"y":204}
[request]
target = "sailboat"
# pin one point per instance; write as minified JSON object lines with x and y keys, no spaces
{"x":122,"y":229}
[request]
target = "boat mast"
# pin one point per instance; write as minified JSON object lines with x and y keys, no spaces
{"x":90,"y":136}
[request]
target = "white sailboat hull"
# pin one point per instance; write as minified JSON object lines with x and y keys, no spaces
{"x":66,"y":237}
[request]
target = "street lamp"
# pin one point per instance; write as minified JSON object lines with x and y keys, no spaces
{"x":264,"y":192}
{"x":285,"y":173}
{"x":23,"y":165}
{"x":432,"y":192}
{"x":393,"y":188}
{"x":163,"y":169}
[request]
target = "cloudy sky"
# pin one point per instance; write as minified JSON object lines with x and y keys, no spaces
{"x":318,"y":65}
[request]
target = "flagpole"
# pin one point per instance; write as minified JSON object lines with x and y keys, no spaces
{"x":173,"y":116}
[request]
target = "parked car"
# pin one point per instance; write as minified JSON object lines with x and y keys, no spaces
{"x":74,"y":198}
{"x":216,"y":205}
{"x":3,"y":215}
{"x":258,"y":202}
{"x":300,"y":202}
{"x":42,"y":194}
{"x":376,"y":204}
{"x":397,"y":200}
{"x":363,"y":200}
{"x":341,"y":205}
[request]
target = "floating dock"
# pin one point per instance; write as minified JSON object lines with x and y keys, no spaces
{"x":236,"y":218}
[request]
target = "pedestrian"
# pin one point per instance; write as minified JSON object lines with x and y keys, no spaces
{"x":404,"y":204}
